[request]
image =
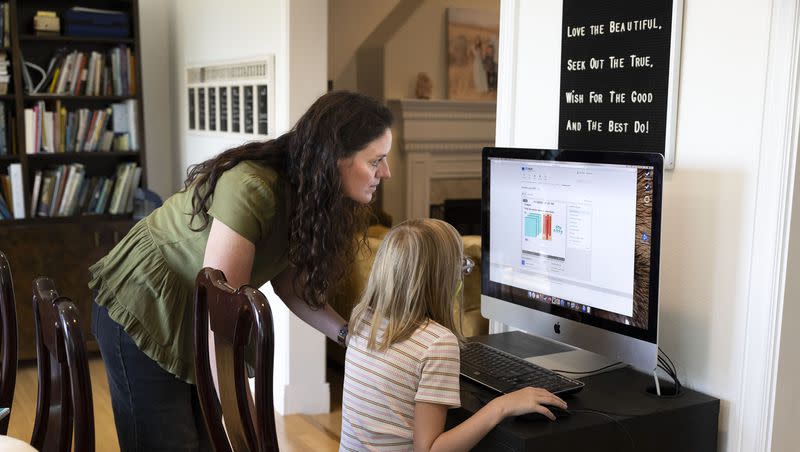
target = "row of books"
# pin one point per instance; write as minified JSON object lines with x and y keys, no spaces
{"x":82,"y":130}
{"x":86,"y":73}
{"x":66,"y":190}
{"x":12,"y":201}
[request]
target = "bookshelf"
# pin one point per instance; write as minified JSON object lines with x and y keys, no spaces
{"x":63,"y":246}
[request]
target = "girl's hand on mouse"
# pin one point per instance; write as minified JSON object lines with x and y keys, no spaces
{"x":528,"y":400}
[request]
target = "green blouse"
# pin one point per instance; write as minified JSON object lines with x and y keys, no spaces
{"x":147,"y":280}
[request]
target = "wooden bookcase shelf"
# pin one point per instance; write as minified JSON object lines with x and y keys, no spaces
{"x":61,"y":247}
{"x":65,"y":97}
{"x":62,"y":40}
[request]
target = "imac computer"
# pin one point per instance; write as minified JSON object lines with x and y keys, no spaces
{"x":570,"y":253}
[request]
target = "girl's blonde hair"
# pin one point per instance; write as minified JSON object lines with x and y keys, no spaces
{"x":416,"y":277}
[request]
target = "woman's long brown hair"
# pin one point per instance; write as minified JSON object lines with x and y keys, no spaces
{"x":323,"y":222}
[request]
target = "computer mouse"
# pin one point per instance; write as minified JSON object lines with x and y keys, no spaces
{"x":557,"y":411}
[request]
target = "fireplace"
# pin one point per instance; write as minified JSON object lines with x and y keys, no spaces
{"x":439,"y":159}
{"x":463,"y":214}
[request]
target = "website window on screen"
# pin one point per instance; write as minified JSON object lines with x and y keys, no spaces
{"x":568,"y":233}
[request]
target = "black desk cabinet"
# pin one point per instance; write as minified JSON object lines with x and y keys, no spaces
{"x":645,"y":422}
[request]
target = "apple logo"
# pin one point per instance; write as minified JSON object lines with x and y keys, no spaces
{"x":557,"y":328}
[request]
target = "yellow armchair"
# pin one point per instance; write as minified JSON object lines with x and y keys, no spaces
{"x":472,"y":323}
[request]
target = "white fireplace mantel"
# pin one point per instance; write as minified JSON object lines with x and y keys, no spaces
{"x":440,"y":139}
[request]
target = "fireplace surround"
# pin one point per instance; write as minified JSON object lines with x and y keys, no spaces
{"x":439,"y":144}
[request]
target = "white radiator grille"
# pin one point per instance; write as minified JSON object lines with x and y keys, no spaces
{"x":232,"y":98}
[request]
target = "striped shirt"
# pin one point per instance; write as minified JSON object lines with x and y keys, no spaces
{"x":381,"y":388}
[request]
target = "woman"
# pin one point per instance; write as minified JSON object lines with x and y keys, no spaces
{"x":285,"y":211}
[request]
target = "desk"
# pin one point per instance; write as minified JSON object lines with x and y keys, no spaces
{"x":684,"y":423}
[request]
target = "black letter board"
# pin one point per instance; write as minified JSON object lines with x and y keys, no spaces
{"x":619,"y":75}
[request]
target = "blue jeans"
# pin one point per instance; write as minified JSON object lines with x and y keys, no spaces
{"x":153,"y":410}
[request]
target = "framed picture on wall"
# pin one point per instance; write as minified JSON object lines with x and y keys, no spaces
{"x":472,"y":45}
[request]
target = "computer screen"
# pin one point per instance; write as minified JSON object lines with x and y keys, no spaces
{"x":572,"y":238}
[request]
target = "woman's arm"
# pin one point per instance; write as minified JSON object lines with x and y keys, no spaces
{"x":230,"y":253}
{"x":324,"y":319}
{"x":233,"y":254}
{"x":429,"y":418}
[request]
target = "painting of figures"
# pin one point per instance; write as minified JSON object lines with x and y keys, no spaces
{"x":472,"y":44}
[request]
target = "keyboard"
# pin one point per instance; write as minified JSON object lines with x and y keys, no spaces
{"x":504,"y":372}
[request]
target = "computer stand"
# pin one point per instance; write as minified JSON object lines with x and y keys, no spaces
{"x":577,"y":363}
{"x":570,"y":361}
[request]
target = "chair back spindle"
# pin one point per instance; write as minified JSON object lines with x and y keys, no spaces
{"x":234,"y":316}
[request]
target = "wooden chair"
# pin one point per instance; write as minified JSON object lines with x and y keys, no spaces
{"x":8,"y":343}
{"x":64,"y":402}
{"x":234,"y":316}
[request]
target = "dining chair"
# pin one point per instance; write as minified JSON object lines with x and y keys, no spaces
{"x":8,"y":343}
{"x":234,"y":316}
{"x":64,"y":402}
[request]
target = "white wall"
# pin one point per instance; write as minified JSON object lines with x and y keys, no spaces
{"x":158,"y":113}
{"x":295,"y":31}
{"x":708,"y":236}
{"x":350,"y":22}
{"x":420,"y":45}
{"x":207,"y":31}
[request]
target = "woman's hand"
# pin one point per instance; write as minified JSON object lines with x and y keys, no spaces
{"x":324,"y":319}
{"x":528,"y":400}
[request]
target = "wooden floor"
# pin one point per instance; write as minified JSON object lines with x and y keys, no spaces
{"x":296,"y":432}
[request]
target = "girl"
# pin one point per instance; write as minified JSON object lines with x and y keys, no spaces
{"x":402,"y":364}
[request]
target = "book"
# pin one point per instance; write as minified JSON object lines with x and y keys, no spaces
{"x":5,"y":213}
{"x":94,"y":197}
{"x":95,"y":10}
{"x":132,"y":128}
{"x":119,"y":121}
{"x":73,"y":192}
{"x":119,"y":188}
{"x":37,"y":182}
{"x":17,"y":190}
{"x":104,"y":196}
{"x":70,"y":188}
{"x":30,"y":130}
{"x":84,"y":193}
{"x":137,"y":176}
{"x":5,"y":181}
{"x":58,"y":190}
{"x":46,"y":194}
